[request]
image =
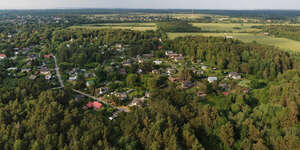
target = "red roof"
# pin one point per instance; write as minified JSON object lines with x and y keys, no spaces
{"x":2,"y":55}
{"x":47,"y":56}
{"x":95,"y":105}
{"x":160,"y":47}
{"x":225,"y":93}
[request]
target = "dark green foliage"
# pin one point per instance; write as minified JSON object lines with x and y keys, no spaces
{"x":177,"y":27}
{"x":262,"y":61}
{"x":290,"y":32}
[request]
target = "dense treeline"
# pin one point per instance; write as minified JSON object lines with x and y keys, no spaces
{"x":290,"y":32}
{"x":177,"y":27}
{"x":262,"y":61}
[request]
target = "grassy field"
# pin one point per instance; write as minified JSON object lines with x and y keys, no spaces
{"x":130,"y":26}
{"x":282,"y":43}
{"x":226,"y":27}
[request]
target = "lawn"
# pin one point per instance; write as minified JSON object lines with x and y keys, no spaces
{"x":282,"y":43}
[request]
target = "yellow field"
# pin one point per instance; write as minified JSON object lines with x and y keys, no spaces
{"x":282,"y":43}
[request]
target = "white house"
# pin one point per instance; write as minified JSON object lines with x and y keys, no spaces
{"x":204,"y":67}
{"x":234,"y":75}
{"x":212,"y":79}
{"x":157,"y":62}
{"x":2,"y":56}
{"x":73,"y":78}
{"x":103,"y":90}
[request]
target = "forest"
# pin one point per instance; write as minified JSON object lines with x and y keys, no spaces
{"x":33,"y":117}
{"x":290,"y":32}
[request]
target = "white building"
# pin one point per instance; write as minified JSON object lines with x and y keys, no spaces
{"x":212,"y":79}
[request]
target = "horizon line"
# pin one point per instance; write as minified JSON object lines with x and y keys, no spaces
{"x":77,"y":8}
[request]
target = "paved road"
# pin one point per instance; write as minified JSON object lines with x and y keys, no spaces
{"x":58,"y":73}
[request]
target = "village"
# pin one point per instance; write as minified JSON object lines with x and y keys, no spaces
{"x":147,"y":70}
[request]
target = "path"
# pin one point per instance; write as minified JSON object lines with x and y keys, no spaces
{"x":58,"y":73}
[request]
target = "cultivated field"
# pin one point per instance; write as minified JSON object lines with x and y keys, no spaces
{"x":282,"y":43}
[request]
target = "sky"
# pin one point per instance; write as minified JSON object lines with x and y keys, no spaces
{"x":157,"y":4}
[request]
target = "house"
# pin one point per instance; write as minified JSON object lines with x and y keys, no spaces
{"x":229,"y":37}
{"x":95,"y":105}
{"x":234,"y":75}
{"x":13,"y":58}
{"x":201,"y":94}
{"x":26,"y":70}
{"x":73,"y":71}
{"x":118,"y":46}
{"x":32,"y":77}
{"x":2,"y":56}
{"x":225,"y":86}
{"x":187,"y":84}
{"x":90,"y":83}
{"x":148,"y":55}
{"x":73,"y":78}
{"x":178,"y":58}
{"x":129,"y":91}
{"x":48,"y":77}
{"x":157,"y":62}
{"x":167,"y":53}
{"x":171,"y":71}
{"x":121,"y":96}
{"x":127,"y":63}
{"x":89,"y":74}
{"x":48,"y":56}
{"x":12,"y":69}
{"x":140,"y":60}
{"x":155,"y":71}
{"x":45,"y":71}
{"x":199,"y":72}
{"x":212,"y":79}
{"x":245,"y":91}
{"x":172,"y":79}
{"x":137,"y":102}
{"x":140,"y":71}
{"x":147,"y":94}
{"x":32,"y":57}
{"x":123,"y":71}
{"x":103,"y":90}
{"x":225,"y":93}
{"x":203,"y":67}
